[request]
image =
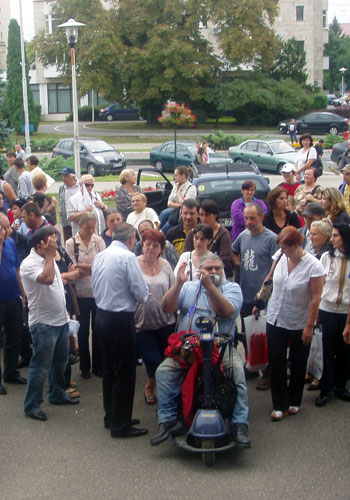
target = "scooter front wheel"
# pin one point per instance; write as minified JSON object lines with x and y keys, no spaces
{"x":208,"y":458}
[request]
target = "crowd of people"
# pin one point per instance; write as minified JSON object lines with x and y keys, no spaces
{"x":130,"y":278}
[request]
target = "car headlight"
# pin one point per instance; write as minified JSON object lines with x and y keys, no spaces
{"x":282,"y":124}
{"x":99,"y":158}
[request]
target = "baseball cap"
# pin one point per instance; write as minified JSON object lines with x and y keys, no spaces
{"x":314,"y":209}
{"x":287,"y":168}
{"x":67,"y":170}
{"x":346,"y":169}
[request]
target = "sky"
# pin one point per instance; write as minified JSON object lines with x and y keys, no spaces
{"x":338,"y":8}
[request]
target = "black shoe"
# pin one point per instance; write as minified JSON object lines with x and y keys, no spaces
{"x":249,"y":374}
{"x":133,"y":421}
{"x":86,"y":374}
{"x":343,"y":394}
{"x":18,"y":380}
{"x":240,"y":435}
{"x":98,"y":373}
{"x":312,"y":387}
{"x":166,"y":429}
{"x":128,"y":432}
{"x":67,"y":401}
{"x":3,"y":391}
{"x":323,"y":399}
{"x":37,"y":415}
{"x":23,"y":363}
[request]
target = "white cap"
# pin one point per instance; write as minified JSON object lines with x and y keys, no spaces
{"x":287,"y":168}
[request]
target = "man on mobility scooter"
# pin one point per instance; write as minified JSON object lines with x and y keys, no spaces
{"x":216,"y":297}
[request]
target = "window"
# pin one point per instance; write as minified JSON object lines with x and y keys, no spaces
{"x":59,"y":97}
{"x":264,"y":148}
{"x":250,"y":146}
{"x":98,"y":99}
{"x":300,"y":44}
{"x":50,"y":23}
{"x":67,"y":145}
{"x":300,"y":12}
{"x":324,"y":19}
{"x":36,"y":92}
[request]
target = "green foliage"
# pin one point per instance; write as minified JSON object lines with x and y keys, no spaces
{"x":84,"y":114}
{"x":55,"y":165}
{"x":332,"y":139}
{"x":338,"y":51}
{"x":320,"y":101}
{"x":290,"y":61}
{"x":14,"y":93}
{"x":43,"y":144}
{"x":5,"y":132}
{"x":220,"y":140}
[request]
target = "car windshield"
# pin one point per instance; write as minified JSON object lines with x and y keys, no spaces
{"x":282,"y":147}
{"x":97,"y":146}
{"x":222,"y":185}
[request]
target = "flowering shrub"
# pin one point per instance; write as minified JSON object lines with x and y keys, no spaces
{"x":177,"y":114}
{"x":296,"y":145}
{"x":108,"y":194}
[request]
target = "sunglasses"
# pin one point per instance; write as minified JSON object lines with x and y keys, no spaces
{"x":89,"y":185}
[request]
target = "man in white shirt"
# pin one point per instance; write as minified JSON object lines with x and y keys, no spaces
{"x":48,"y":324}
{"x":118,"y":287}
{"x":20,"y":152}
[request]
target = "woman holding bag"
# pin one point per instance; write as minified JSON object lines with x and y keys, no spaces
{"x":291,"y":315}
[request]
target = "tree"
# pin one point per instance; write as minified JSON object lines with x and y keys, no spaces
{"x":290,"y":61}
{"x":338,"y":51}
{"x":14,"y":92}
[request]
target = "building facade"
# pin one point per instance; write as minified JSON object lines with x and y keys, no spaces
{"x":4,"y":26}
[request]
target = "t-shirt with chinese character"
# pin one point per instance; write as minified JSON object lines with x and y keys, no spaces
{"x":256,"y":253}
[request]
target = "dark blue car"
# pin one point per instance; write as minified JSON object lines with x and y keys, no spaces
{"x":118,"y":112}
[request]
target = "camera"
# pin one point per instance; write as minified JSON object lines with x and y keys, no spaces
{"x":215,"y":278}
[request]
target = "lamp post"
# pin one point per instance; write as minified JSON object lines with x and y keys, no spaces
{"x":24,"y":86}
{"x":72,"y":37}
{"x":342,"y":71}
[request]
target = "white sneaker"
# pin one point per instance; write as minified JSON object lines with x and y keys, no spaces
{"x":293,"y":410}
{"x":277,"y":415}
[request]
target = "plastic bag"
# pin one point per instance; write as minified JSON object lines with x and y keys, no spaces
{"x":255,"y":330}
{"x":315,"y":361}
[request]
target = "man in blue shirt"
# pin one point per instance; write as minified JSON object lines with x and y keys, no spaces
{"x":118,"y":287}
{"x":223,"y":299}
{"x":10,"y":305}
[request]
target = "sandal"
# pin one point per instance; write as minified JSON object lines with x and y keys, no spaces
{"x":73,"y":384}
{"x":71,"y":393}
{"x":150,"y":400}
{"x":277,"y":415}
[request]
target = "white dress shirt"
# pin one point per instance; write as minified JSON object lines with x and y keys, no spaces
{"x":47,"y":303}
{"x":117,"y":281}
{"x":78,"y":203}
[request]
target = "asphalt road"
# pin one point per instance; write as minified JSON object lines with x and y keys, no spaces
{"x":72,"y":456}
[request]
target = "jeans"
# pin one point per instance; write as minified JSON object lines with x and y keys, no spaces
{"x":169,"y":378}
{"x":278,"y":339}
{"x":151,"y":345}
{"x":11,"y":319}
{"x":293,"y":137}
{"x":50,"y":357}
{"x":336,"y":353}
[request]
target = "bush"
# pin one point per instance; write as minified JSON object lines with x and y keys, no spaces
{"x":84,"y":114}
{"x":220,"y":140}
{"x":331,"y":139}
{"x":53,"y":166}
{"x":320,"y":101}
{"x":43,"y":144}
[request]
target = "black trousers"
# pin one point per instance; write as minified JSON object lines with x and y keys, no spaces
{"x":116,"y":332}
{"x":336,"y":353}
{"x":11,"y":320}
{"x":278,"y":340}
{"x":87,"y":308}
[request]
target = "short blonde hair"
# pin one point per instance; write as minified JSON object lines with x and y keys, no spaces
{"x":86,"y":177}
{"x":324,"y":226}
{"x":124,"y":174}
{"x":143,"y":196}
{"x":39,"y":181}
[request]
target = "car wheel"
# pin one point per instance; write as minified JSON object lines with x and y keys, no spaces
{"x":238,"y":160}
{"x":91,"y":169}
{"x":109,"y":117}
{"x":279,"y":167}
{"x":333,"y":130}
{"x":159,"y":165}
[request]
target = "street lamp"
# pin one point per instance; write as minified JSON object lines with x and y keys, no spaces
{"x":72,"y":37}
{"x":342,"y":71}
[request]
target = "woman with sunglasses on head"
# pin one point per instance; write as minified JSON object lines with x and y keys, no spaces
{"x":332,"y":316}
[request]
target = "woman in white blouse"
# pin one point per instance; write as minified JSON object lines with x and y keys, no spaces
{"x":202,"y":238}
{"x":291,"y":314}
{"x":306,"y":156}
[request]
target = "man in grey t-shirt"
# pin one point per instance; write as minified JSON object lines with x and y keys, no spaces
{"x":253,"y":251}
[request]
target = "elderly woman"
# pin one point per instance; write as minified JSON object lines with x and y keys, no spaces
{"x":333,"y":203}
{"x":82,"y":249}
{"x":86,"y":200}
{"x":320,"y":236}
{"x":291,"y":314}
{"x":182,"y":190}
{"x":141,"y":211}
{"x":309,"y":191}
{"x":278,"y":216}
{"x":238,"y":206}
{"x":113,"y":218}
{"x":332,"y":317}
{"x":153,"y":325}
{"x":169,"y":253}
{"x":306,"y":156}
{"x":202,"y":238}
{"x":124,"y":193}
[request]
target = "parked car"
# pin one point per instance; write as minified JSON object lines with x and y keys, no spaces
{"x":331,"y":98}
{"x":268,"y":155}
{"x":96,"y":157}
{"x":343,"y":100}
{"x":317,"y":123}
{"x":337,"y":150}
{"x":163,"y":157}
{"x":224,"y":186}
{"x":118,"y":112}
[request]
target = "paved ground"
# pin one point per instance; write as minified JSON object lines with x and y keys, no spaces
{"x":72,"y":457}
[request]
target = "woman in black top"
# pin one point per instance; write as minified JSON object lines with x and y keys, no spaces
{"x":278,"y":216}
